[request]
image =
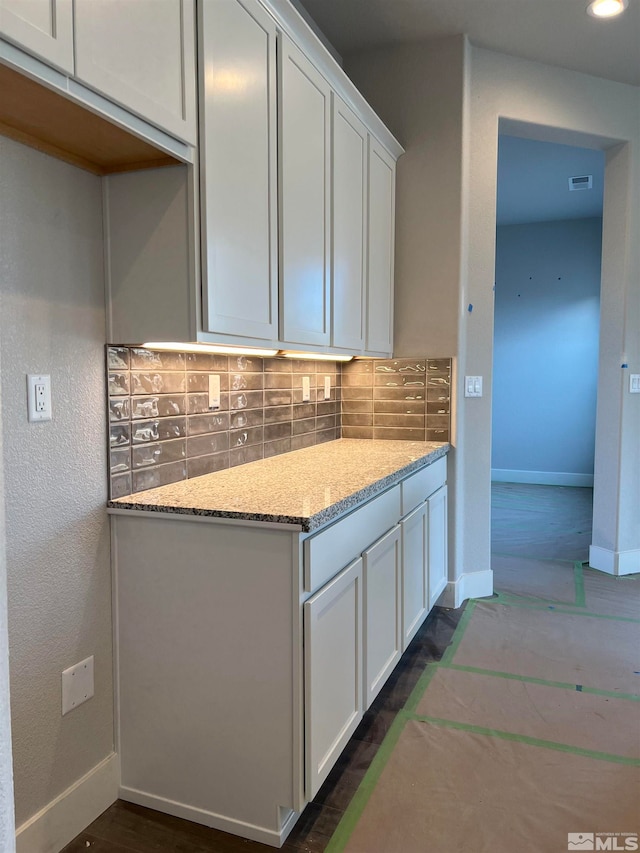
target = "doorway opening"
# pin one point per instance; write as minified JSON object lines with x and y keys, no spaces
{"x":545,"y":370}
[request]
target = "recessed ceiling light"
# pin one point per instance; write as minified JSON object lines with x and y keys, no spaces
{"x":607,"y":8}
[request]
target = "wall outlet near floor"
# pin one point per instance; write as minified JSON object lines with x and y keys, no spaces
{"x":77,"y":685}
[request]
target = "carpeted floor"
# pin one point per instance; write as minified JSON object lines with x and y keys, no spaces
{"x":526,"y":735}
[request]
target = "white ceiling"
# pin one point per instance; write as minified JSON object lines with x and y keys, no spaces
{"x":556,"y":32}
{"x":533,"y":181}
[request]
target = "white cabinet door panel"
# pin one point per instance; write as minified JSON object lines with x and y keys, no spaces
{"x":238,"y":174}
{"x":438,"y":567}
{"x":41,"y":27}
{"x":381,"y":238}
{"x":382,"y":612}
{"x":333,"y":672}
{"x":141,"y":54}
{"x":415,"y":574}
{"x":349,"y":199}
{"x":305,"y":116}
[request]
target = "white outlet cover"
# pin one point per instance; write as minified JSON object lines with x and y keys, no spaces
{"x":38,"y":397}
{"x":327,"y":387}
{"x":77,"y":685}
{"x":306,"y":389}
{"x":214,"y":390}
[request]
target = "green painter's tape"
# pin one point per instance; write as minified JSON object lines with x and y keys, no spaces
{"x":459,"y":632}
{"x":491,"y":673}
{"x":421,"y":685}
{"x":511,"y":598}
{"x":533,"y":741}
{"x":361,"y":797}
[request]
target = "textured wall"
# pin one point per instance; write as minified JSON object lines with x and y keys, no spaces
{"x":52,"y":321}
{"x":545,"y":357}
{"x":7,"y":829}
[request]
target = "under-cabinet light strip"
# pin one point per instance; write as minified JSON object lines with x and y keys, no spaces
{"x":221,"y":349}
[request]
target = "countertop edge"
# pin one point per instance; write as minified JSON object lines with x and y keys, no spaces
{"x":306,"y":524}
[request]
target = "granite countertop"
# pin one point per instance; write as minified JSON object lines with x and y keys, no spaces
{"x":307,"y":488}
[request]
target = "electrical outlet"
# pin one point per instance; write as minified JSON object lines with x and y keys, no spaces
{"x":306,"y":389}
{"x":214,"y":390}
{"x":39,"y":397}
{"x":77,"y":685}
{"x":327,"y":387}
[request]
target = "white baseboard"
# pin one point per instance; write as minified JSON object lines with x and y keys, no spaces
{"x":236,"y":827}
{"x":614,"y":562}
{"x":468,"y":585}
{"x":58,"y":823}
{"x":541,"y":478}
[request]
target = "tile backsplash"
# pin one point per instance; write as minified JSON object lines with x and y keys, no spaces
{"x":402,"y":399}
{"x":161,"y":429}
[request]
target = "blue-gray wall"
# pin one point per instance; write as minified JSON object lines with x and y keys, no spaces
{"x":547,"y":309}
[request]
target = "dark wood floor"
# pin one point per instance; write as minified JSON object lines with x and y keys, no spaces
{"x":127,"y":828}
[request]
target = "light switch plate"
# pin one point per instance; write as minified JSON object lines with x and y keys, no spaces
{"x":634,"y":383}
{"x":473,"y":386}
{"x":327,"y":387}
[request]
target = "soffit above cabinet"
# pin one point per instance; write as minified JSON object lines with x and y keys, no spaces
{"x":41,"y":118}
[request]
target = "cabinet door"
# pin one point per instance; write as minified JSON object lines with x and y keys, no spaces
{"x":415,"y":573}
{"x":349,"y":199}
{"x":305,"y":116}
{"x":238,"y":169}
{"x":333,"y":672}
{"x":438,"y":568}
{"x":381,"y":238}
{"x":382,"y":612}
{"x":142,"y":55}
{"x":41,"y":27}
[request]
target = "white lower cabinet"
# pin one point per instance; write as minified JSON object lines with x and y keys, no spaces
{"x":382,"y":612}
{"x":266,"y":645}
{"x":438,"y":574}
{"x":415,"y":572}
{"x":333,"y":672}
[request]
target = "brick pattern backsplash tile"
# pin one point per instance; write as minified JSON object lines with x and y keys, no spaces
{"x":161,"y":429}
{"x":404,"y":399}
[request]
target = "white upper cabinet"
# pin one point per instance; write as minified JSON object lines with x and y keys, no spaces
{"x":381,"y":237}
{"x":349,"y":200}
{"x":238,"y":157}
{"x":41,"y":27}
{"x":141,"y":54}
{"x":304,"y":159}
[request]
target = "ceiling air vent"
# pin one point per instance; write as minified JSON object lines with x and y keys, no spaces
{"x":583,"y":182}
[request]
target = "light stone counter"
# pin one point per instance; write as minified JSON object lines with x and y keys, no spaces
{"x":306,"y":488}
